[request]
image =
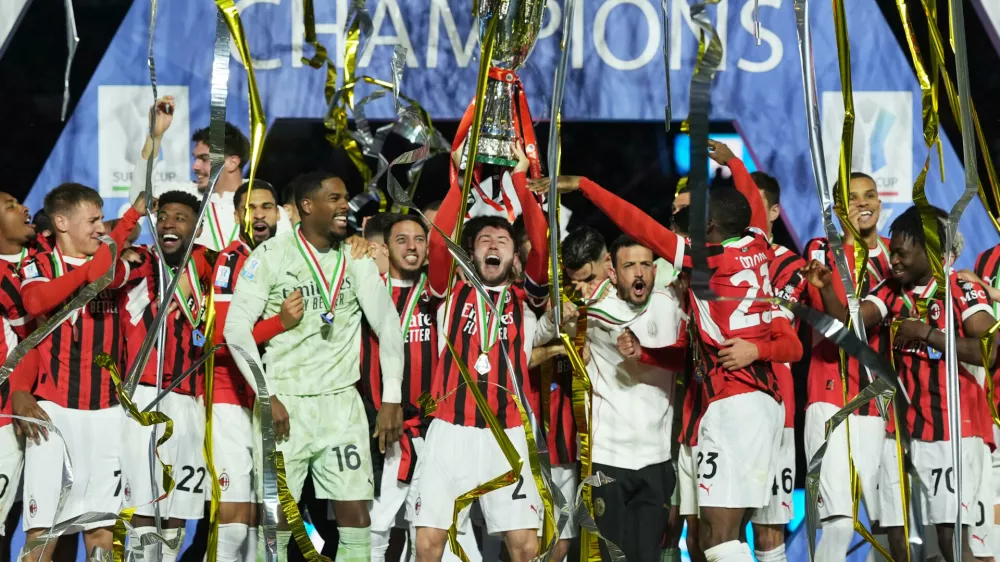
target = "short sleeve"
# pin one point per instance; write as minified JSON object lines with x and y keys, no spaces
{"x":970,"y":298}
{"x":255,"y":276}
{"x":885,"y":298}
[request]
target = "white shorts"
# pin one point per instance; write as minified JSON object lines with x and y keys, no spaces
{"x":735,"y":460}
{"x":232,"y":452}
{"x":980,"y":535}
{"x":396,"y":498}
{"x":93,"y":440}
{"x":11,"y":465}
{"x":867,"y":435}
{"x":458,"y":459}
{"x":687,"y":481}
{"x":779,"y":509}
{"x":995,"y":458}
{"x":932,"y":461}
{"x":183,"y":451}
{"x":566,"y":478}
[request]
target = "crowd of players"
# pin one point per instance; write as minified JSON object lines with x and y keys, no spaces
{"x":693,"y":400}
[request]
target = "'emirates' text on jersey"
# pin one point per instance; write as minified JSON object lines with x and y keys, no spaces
{"x":457,"y":404}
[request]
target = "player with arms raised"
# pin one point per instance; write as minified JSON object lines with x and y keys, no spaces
{"x":737,"y":340}
{"x":313,"y":368}
{"x":461,"y":452}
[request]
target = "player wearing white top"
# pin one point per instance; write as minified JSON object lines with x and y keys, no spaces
{"x":220,"y":227}
{"x":632,"y":403}
{"x":312,"y":369}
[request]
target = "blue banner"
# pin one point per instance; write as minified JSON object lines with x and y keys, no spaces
{"x":616,"y":73}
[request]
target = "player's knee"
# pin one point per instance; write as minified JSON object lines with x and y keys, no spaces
{"x":522,"y":544}
{"x":352,"y":514}
{"x":430,"y":544}
{"x":560,"y":551}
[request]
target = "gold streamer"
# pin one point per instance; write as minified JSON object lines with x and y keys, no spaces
{"x":293,"y":516}
{"x":987,"y":347}
{"x":582,"y":401}
{"x":258,"y":126}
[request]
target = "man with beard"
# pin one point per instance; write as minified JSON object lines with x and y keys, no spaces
{"x":313,"y":368}
{"x":919,"y":345}
{"x":406,"y":281}
{"x":461,"y":452}
{"x":75,"y":394}
{"x":176,"y":220}
{"x":232,"y":398}
{"x":220,"y":228}
{"x":633,"y":402}
{"x":826,"y":393}
{"x":737,"y":340}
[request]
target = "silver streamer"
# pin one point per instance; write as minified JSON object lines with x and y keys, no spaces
{"x":555,"y":148}
{"x":665,"y":25}
{"x":971,"y":187}
{"x":72,"y":40}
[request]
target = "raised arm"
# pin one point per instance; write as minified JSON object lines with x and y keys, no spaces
{"x":637,"y":224}
{"x":439,"y":259}
{"x":536,"y":227}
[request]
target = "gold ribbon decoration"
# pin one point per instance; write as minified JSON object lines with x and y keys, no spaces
{"x":211,"y":550}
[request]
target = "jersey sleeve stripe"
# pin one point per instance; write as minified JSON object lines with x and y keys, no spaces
{"x":981,"y":307}
{"x":882,"y":309}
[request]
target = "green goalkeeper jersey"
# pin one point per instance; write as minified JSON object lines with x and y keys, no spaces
{"x":317,"y":356}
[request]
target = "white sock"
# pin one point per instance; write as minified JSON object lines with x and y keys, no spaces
{"x":835,"y":540}
{"x":170,"y":554}
{"x":380,"y":544}
{"x":775,"y":555}
{"x":670,"y":555}
{"x":232,"y":537}
{"x":249,"y":552}
{"x":732,"y":551}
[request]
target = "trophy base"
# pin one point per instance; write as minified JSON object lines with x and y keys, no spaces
{"x":495,"y":149}
{"x":496,"y":160}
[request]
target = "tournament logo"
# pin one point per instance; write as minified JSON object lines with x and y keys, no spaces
{"x":599,"y":507}
{"x":224,"y":481}
{"x":652,"y":328}
{"x":32,"y":508}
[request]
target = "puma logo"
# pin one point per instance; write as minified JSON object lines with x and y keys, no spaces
{"x":786,"y":506}
{"x":708,"y":489}
{"x":965,"y":506}
{"x":981,"y":540}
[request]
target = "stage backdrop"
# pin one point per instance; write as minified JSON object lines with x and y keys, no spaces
{"x":616,"y":73}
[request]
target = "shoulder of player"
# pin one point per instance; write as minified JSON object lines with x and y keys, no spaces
{"x":965,"y":293}
{"x":988,"y":263}
{"x":37,"y":267}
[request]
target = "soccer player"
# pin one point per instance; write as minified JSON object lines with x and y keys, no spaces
{"x":176,"y":222}
{"x":232,"y":398}
{"x":16,"y":233}
{"x":788,"y":283}
{"x":737,"y":344}
{"x":319,"y":419}
{"x":406,"y":281}
{"x":633,"y":403}
{"x":826,"y":393}
{"x":460,"y":451}
{"x":219,"y":229}
{"x":919,"y":345}
{"x":76,"y":394}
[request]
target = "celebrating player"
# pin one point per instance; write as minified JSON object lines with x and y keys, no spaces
{"x":319,"y":418}
{"x":737,"y":341}
{"x":75,"y":394}
{"x":633,"y":402}
{"x":919,"y":344}
{"x":232,"y":398}
{"x":175,"y":228}
{"x":460,"y":451}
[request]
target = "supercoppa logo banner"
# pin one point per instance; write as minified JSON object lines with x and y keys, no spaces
{"x":616,"y":72}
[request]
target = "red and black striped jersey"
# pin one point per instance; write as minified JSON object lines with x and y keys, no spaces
{"x":420,"y":354}
{"x":824,"y":383}
{"x":228,"y":384}
{"x":922,"y":368}
{"x":138,"y":302}
{"x":561,"y":437}
{"x":459,"y":325}
{"x":988,"y":269}
{"x":738,"y":270}
{"x":16,"y":324}
{"x":789,"y":284}
{"x":67,"y":374}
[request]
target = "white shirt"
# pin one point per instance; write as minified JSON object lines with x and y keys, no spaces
{"x":633,"y":402}
{"x":222,"y":208}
